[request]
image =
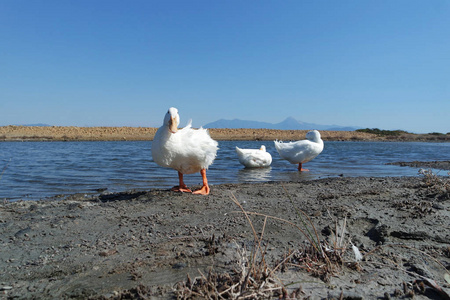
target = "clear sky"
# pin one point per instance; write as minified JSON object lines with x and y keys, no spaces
{"x":383,"y":63}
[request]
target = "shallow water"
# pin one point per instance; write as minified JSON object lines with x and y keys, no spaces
{"x":36,"y":170}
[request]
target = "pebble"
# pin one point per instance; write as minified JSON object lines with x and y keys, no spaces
{"x":179,"y":266}
{"x":108,"y":252}
{"x":438,"y":206}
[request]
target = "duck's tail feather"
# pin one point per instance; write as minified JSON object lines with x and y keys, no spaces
{"x":189,"y":124}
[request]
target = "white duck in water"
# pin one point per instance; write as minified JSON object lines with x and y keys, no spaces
{"x":186,"y":150}
{"x":303,"y":151}
{"x":254,"y":158}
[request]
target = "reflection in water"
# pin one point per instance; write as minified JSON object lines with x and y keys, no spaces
{"x":295,"y":175}
{"x":268,"y":174}
{"x":254,"y":174}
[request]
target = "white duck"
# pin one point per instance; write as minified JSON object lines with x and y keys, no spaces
{"x":302,"y":151}
{"x":186,"y":150}
{"x":254,"y":158}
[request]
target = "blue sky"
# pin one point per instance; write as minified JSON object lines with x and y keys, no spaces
{"x":383,"y":64}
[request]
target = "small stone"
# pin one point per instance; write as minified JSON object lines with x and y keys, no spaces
{"x":179,"y":266}
{"x":108,"y":252}
{"x":438,"y":206}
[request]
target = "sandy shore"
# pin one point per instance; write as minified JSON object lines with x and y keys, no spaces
{"x":61,"y":133}
{"x":139,"y":245}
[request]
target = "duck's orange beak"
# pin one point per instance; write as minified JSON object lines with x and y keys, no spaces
{"x":173,"y":125}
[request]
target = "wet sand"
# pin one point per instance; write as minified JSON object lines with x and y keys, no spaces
{"x":139,"y":245}
{"x":71,"y":133}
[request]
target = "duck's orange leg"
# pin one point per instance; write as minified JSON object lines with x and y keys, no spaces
{"x":300,"y":169}
{"x":182,"y":187}
{"x":205,"y":188}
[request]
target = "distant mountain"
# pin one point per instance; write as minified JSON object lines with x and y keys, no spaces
{"x":288,"y":124}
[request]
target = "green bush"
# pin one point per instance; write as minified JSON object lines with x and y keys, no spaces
{"x":382,"y":132}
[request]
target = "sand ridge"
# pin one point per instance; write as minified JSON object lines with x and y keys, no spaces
{"x":72,"y":133}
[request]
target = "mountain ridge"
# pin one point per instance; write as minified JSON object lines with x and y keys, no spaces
{"x":290,"y":123}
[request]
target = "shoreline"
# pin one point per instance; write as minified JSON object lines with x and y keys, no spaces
{"x":139,"y":244}
{"x":71,"y":133}
{"x":441,"y":168}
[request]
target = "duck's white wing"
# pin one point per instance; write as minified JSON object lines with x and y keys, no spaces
{"x":260,"y":159}
{"x":298,"y":152}
{"x":195,"y":150}
{"x":310,"y":151}
{"x":254,"y":158}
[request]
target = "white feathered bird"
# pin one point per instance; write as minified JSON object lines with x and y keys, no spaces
{"x":303,"y":151}
{"x":186,"y":150}
{"x":254,"y":158}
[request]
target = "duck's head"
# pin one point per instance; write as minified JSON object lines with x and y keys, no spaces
{"x":263,"y":148}
{"x":313,"y":135}
{"x":172,"y":119}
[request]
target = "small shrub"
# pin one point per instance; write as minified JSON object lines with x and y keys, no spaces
{"x":436,"y":185}
{"x":381,"y":132}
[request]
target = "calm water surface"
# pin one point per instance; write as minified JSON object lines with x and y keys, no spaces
{"x":36,"y":170}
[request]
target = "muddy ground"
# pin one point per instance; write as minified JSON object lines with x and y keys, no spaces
{"x":140,"y":244}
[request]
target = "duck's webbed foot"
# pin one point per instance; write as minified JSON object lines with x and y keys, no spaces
{"x":203,"y":191}
{"x":183,"y":189}
{"x":300,"y":169}
{"x":205,"y":188}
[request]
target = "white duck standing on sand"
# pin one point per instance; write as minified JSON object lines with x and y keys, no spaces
{"x":186,"y":150}
{"x":254,"y":158}
{"x":301,"y":152}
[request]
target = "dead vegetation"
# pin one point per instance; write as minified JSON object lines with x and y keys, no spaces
{"x":72,"y":133}
{"x":436,"y":186}
{"x":250,"y":279}
{"x":252,"y":276}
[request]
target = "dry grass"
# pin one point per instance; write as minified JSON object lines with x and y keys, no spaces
{"x":69,"y":133}
{"x":437,"y":186}
{"x":285,"y":135}
{"x":319,"y":257}
{"x":247,"y":281}
{"x":253,"y":278}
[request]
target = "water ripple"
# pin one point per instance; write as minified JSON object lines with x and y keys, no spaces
{"x":37,"y":170}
